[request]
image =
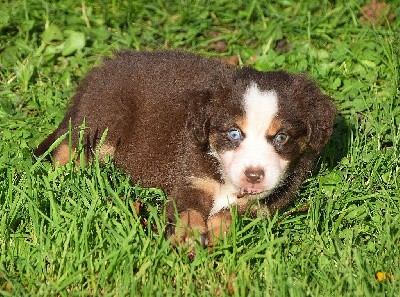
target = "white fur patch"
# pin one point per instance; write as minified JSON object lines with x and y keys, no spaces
{"x":225,"y":195}
{"x":261,"y":107}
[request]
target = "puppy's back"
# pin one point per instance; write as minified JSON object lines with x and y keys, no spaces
{"x":141,"y":80}
{"x":141,"y":98}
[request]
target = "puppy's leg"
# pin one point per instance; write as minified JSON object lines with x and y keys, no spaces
{"x":189,"y":227}
{"x":218,"y":226}
{"x":63,"y":153}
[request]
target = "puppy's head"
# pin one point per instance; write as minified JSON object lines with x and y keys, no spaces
{"x":260,"y":127}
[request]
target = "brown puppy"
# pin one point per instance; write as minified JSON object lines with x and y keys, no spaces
{"x":209,"y":135}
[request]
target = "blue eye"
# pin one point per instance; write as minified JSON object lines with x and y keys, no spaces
{"x":281,"y":138}
{"x":235,"y":134}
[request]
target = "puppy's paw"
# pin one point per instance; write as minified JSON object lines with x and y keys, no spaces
{"x":218,"y":226}
{"x":190,"y":230}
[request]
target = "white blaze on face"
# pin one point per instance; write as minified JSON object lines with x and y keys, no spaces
{"x":254,"y":152}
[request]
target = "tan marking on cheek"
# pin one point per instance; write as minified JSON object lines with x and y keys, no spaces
{"x":61,"y":154}
{"x":206,"y":185}
{"x":275,"y":126}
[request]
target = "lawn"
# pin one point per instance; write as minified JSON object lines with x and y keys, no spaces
{"x":73,"y":230}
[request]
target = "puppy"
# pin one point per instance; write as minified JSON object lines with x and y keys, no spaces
{"x":209,"y":135}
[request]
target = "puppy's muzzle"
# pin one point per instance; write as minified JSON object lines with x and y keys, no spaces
{"x":254,"y":175}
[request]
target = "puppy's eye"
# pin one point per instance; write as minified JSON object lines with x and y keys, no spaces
{"x":281,"y":138}
{"x":235,"y":134}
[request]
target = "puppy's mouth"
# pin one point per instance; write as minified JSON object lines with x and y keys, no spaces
{"x":255,"y":192}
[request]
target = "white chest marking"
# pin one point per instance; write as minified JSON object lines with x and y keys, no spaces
{"x":224,"y":196}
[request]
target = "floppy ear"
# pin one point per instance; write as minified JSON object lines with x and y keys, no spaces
{"x":198,"y":120}
{"x":320,"y":122}
{"x":320,"y":112}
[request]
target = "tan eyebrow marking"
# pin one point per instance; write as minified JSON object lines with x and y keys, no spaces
{"x":275,"y":126}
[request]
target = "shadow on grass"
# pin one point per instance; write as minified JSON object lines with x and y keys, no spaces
{"x":338,"y":145}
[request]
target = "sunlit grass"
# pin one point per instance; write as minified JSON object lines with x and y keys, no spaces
{"x":74,"y":230}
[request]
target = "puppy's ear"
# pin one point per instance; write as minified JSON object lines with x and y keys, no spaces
{"x":320,"y":123}
{"x":198,"y":121}
{"x":321,"y":112}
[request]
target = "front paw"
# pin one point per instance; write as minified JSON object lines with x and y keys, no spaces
{"x":218,"y":226}
{"x":190,"y":230}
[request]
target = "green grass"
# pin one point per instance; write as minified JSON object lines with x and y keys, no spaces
{"x":72,"y":231}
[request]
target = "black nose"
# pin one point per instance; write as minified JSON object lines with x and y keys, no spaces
{"x":254,"y":175}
